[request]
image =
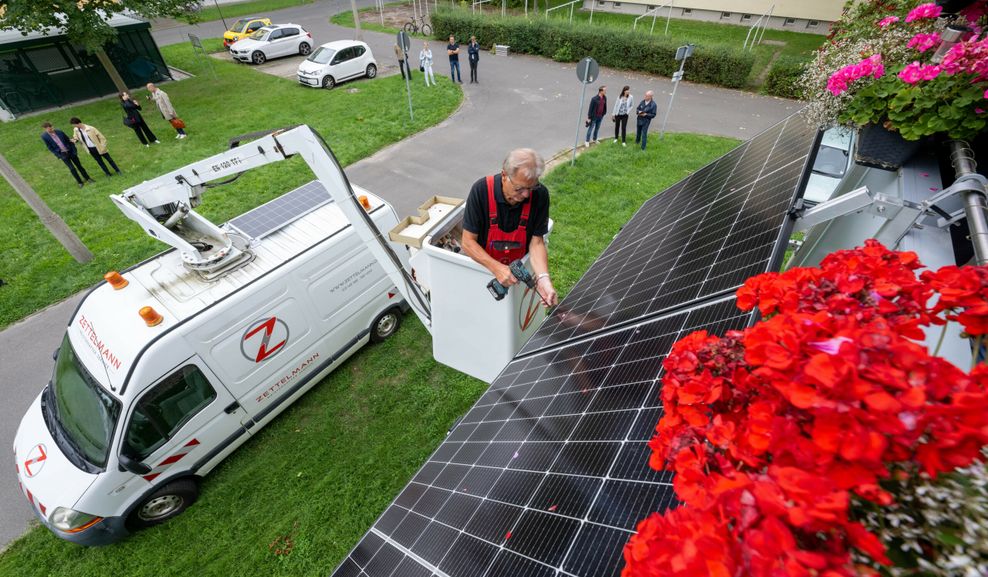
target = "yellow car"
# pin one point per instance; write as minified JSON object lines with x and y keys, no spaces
{"x":242,"y":29}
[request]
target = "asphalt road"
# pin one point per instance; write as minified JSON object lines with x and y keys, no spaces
{"x":520,"y":101}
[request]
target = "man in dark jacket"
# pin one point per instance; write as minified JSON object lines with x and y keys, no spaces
{"x":646,"y":112}
{"x":473,"y":55}
{"x":62,"y":147}
{"x":596,"y":113}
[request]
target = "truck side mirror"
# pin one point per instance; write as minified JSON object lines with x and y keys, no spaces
{"x":134,"y":466}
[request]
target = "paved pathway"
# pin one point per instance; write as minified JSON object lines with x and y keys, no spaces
{"x":520,"y":101}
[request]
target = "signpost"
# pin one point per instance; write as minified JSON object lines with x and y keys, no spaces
{"x":587,"y":70}
{"x":405,"y":43}
{"x":682,"y":53}
{"x":198,"y":50}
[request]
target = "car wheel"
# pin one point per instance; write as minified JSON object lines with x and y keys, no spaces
{"x":371,"y":71}
{"x":385,"y":325}
{"x":165,"y":503}
{"x":328,"y":82}
{"x":304,"y":49}
{"x":258,"y":57}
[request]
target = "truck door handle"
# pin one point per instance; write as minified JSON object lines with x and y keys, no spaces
{"x":232,"y":408}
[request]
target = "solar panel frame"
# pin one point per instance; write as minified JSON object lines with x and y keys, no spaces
{"x":681,"y":242}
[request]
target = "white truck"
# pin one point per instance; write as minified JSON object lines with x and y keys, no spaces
{"x":167,"y":368}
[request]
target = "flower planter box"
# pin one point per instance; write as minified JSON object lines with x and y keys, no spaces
{"x":880,"y":148}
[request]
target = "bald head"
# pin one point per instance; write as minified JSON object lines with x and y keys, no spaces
{"x":648,"y":95}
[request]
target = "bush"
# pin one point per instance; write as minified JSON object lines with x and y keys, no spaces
{"x":721,"y":65}
{"x":784,"y":78}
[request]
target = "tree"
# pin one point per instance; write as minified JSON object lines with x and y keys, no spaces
{"x":85,"y":21}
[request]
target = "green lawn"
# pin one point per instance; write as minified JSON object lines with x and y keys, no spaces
{"x":318,"y":476}
{"x":237,"y":101}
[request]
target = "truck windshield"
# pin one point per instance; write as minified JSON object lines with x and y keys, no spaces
{"x":86,"y":412}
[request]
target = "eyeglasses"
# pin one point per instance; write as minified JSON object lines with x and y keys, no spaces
{"x":520,"y":189}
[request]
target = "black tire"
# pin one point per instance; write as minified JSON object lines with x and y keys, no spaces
{"x":371,"y":71}
{"x":385,"y":325}
{"x":304,"y":49}
{"x":258,"y":57}
{"x":165,"y":503}
{"x":427,"y":30}
{"x":409,"y":27}
{"x":328,"y":82}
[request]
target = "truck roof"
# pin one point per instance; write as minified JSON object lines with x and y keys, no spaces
{"x":107,"y":332}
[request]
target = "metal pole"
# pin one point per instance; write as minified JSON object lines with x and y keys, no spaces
{"x":583,"y":96}
{"x":669,"y":17}
{"x":671,"y":98}
{"x":592,"y":4}
{"x":962,"y":159}
{"x":408,"y":87}
{"x":571,"y":13}
{"x":215,"y":3}
{"x":654,"y":14}
{"x":380,"y":10}
{"x":356,"y":20}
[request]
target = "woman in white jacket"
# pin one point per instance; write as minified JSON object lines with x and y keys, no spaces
{"x":622,"y":108}
{"x":425,"y":64}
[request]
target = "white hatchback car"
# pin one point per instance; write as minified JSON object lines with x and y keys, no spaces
{"x":272,"y":42}
{"x":335,"y":62}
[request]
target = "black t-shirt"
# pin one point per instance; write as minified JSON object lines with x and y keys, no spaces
{"x":453,"y":46}
{"x":476,"y":218}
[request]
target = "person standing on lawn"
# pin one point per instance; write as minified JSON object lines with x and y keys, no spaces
{"x":95,"y":142}
{"x":136,"y":121}
{"x":402,"y":63}
{"x":596,"y":113}
{"x":473,"y":55}
{"x":622,"y":108}
{"x":61,"y":146}
{"x":425,"y":63}
{"x":453,"y":49}
{"x":164,"y":104}
{"x":646,"y":112}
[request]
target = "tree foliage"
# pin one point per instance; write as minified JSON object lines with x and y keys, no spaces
{"x":85,"y":21}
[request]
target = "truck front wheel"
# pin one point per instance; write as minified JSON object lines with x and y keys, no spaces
{"x":165,"y":503}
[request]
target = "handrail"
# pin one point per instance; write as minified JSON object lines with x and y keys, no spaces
{"x":478,"y":2}
{"x":759,"y":34}
{"x":570,"y":4}
{"x":655,"y":12}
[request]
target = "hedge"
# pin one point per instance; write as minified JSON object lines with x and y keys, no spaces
{"x":784,"y":77}
{"x":609,"y":46}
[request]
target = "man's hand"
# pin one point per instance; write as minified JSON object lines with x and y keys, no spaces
{"x":504,"y":275}
{"x":547,"y":291}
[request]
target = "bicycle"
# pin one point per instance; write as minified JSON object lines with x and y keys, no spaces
{"x":412,"y":28}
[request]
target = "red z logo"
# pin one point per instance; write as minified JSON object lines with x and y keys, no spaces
{"x":269,"y":327}
{"x":37,"y":458}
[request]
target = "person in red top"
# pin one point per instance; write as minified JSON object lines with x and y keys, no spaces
{"x":596,"y":113}
{"x":506,"y":217}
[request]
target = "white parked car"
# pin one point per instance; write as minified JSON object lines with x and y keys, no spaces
{"x":335,"y":62}
{"x":272,"y":42}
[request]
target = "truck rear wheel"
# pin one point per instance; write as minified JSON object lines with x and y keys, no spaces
{"x":165,"y":503}
{"x":385,"y":325}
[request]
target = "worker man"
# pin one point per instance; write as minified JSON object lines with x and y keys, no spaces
{"x":506,"y":217}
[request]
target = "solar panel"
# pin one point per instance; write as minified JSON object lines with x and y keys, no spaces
{"x":548,"y":472}
{"x":289,"y":207}
{"x":700,"y":238}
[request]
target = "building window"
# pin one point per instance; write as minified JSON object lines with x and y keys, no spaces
{"x":724,"y":15}
{"x":789,"y":22}
{"x":812,"y":23}
{"x":745,"y":17}
{"x":617,"y":4}
{"x":687,"y":11}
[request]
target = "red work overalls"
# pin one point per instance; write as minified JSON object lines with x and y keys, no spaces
{"x":506,"y":247}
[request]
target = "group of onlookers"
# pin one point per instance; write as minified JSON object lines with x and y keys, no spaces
{"x":452,"y":51}
{"x":644,"y":112}
{"x":64,"y":147}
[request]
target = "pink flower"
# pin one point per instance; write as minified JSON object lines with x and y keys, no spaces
{"x":924,"y":42}
{"x":915,"y":72}
{"x":979,"y":110}
{"x":887,"y":20}
{"x":929,"y":10}
{"x":871,"y":66}
{"x":829,"y":346}
{"x":985,"y":95}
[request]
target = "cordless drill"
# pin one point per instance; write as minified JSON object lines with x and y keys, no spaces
{"x":498,"y":291}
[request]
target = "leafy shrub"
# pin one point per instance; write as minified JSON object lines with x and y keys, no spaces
{"x":721,"y":65}
{"x":784,"y":78}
